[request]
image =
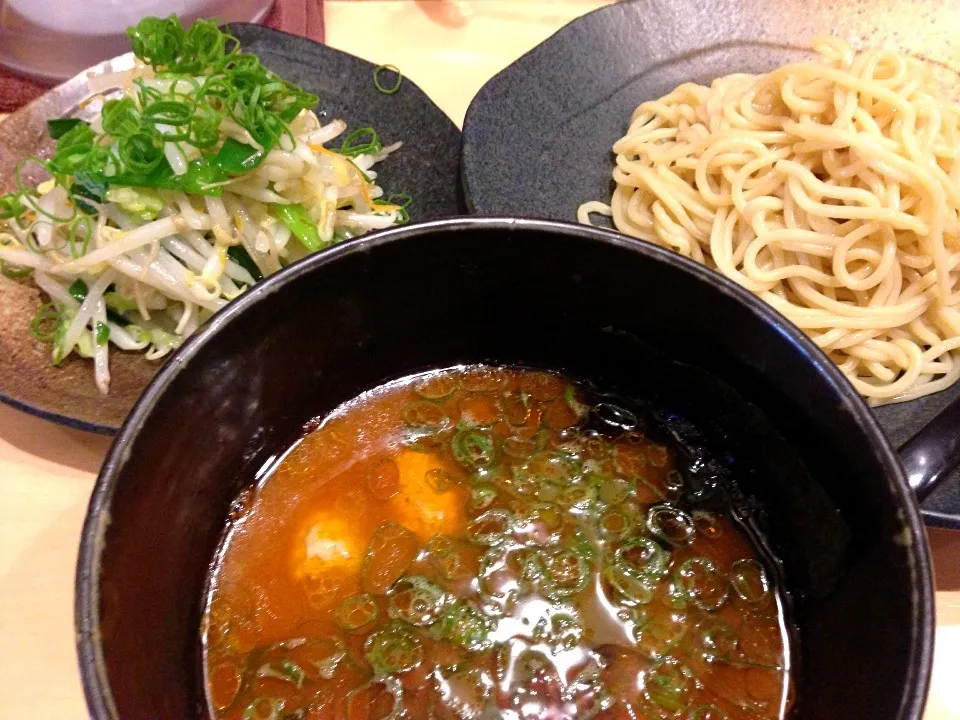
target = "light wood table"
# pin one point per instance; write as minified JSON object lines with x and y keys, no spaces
{"x":46,"y":471}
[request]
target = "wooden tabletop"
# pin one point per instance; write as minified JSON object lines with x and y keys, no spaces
{"x":47,"y":471}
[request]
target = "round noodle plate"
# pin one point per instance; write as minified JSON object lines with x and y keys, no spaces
{"x":537,"y":138}
{"x":427,"y":167}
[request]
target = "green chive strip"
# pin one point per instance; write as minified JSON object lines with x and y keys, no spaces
{"x":377,"y":71}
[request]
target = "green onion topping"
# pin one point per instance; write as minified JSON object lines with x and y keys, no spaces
{"x":416,"y":600}
{"x":387,"y":90}
{"x":393,"y":649}
{"x":364,"y":141}
{"x":357,"y":613}
{"x":44,"y":324}
{"x":475,"y":448}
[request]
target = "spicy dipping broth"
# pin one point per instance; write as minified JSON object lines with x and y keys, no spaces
{"x":489,"y":543}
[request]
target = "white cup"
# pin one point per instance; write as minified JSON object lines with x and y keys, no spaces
{"x":53,"y":40}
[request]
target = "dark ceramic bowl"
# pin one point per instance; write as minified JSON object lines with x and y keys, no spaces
{"x":831,"y":495}
{"x":562,"y":106}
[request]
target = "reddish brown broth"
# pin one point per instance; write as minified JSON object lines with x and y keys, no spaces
{"x":458,"y":545}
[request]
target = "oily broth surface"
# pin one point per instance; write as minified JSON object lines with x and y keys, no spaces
{"x":466,"y":544}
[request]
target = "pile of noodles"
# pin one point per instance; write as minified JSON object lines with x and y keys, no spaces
{"x":830,"y":189}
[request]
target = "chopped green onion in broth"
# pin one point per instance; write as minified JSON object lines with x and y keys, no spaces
{"x":427,"y":560}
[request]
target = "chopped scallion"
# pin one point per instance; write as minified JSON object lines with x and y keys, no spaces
{"x":297,"y":218}
{"x":44,"y":324}
{"x":60,"y":126}
{"x":78,"y":290}
{"x":387,"y":89}
{"x":364,"y":141}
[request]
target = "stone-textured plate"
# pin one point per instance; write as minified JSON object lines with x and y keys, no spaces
{"x":427,"y":167}
{"x":537,"y":137}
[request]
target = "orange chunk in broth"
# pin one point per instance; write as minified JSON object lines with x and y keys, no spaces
{"x":420,"y":505}
{"x":327,"y":541}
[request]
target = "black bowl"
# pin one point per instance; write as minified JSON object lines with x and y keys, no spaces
{"x":831,"y":495}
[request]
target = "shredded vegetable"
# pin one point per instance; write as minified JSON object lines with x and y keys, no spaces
{"x":203,"y":173}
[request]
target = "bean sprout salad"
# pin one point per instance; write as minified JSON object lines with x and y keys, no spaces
{"x":203,"y":173}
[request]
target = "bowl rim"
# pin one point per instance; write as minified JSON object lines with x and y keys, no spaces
{"x":87,"y":602}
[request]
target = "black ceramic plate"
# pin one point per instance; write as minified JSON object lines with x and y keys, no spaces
{"x":427,"y":168}
{"x":537,"y":137}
